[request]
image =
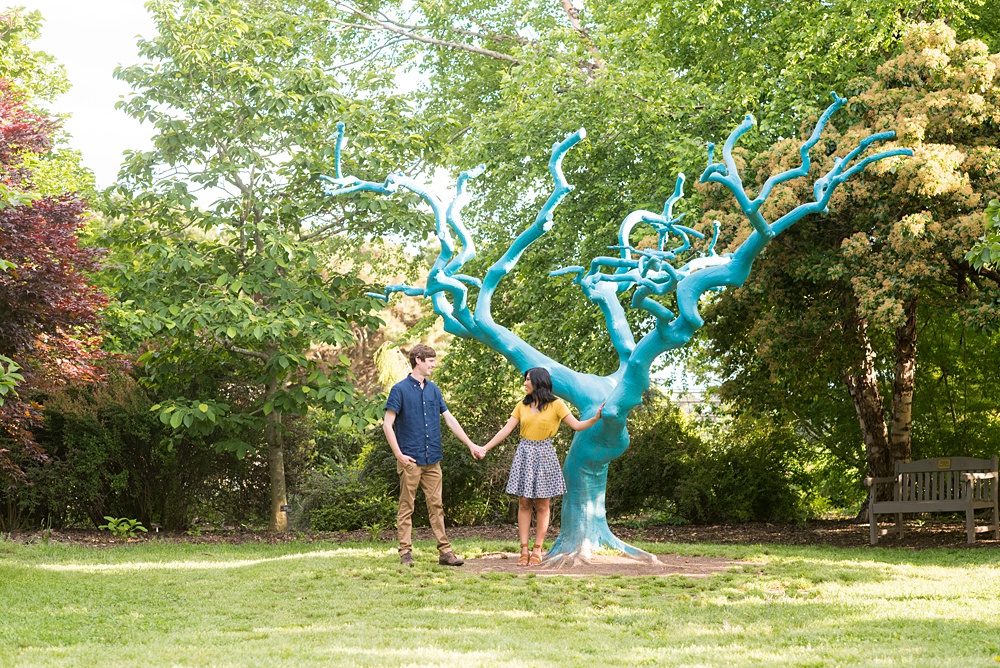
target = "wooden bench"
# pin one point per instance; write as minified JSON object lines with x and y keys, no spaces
{"x":938,"y":485}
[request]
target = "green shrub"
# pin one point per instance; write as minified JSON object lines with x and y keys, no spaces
{"x":348,"y":504}
{"x":743,"y":470}
{"x":106,"y":455}
{"x":643,"y":478}
{"x":750,"y":473}
{"x":338,"y":493}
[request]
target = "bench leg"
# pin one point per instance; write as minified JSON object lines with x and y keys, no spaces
{"x":996,"y":519}
{"x":996,"y":509}
{"x":899,"y":526}
{"x":872,"y":524}
{"x":970,"y":526}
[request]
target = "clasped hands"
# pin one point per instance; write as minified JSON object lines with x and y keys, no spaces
{"x":478,"y":451}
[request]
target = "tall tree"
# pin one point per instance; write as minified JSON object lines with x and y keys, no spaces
{"x":839,"y":304}
{"x":222,"y":235}
{"x":652,"y":274}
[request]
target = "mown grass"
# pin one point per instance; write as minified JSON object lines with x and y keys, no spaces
{"x":158,"y":604}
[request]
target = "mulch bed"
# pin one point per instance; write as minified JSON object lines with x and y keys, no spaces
{"x":920,"y":534}
{"x":934,"y":532}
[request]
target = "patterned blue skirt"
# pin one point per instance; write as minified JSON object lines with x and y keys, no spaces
{"x":535,"y":473}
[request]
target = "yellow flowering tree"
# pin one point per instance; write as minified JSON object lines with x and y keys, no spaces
{"x":835,"y":307}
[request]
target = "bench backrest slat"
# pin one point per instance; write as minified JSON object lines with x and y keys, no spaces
{"x":940,"y":479}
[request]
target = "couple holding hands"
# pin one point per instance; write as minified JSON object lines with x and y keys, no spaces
{"x":412,"y":426}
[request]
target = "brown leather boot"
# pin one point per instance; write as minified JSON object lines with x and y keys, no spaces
{"x":449,"y":559}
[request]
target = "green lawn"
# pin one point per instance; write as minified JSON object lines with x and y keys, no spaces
{"x":302,"y":604}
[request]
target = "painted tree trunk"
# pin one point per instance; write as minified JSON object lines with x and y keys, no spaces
{"x":583,"y":526}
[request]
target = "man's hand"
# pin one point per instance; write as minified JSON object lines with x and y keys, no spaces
{"x":405,"y":460}
{"x":478,"y":451}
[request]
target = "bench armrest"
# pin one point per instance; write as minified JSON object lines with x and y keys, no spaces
{"x":979,"y":476}
{"x":871,"y":482}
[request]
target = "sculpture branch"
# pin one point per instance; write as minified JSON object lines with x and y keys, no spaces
{"x":456,"y":315}
{"x":502,"y":339}
{"x":454,"y":218}
{"x":734,"y":268}
{"x":606,"y":297}
{"x":542,"y":224}
{"x":443,"y":278}
{"x":652,"y":275}
{"x":802,"y":169}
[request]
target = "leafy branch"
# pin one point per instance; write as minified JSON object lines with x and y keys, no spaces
{"x":411,"y":32}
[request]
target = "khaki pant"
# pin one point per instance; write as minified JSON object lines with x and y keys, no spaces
{"x":429,"y":478}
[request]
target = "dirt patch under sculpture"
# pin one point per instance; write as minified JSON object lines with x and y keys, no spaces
{"x":605,"y":564}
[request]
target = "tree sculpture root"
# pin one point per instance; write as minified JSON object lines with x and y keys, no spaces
{"x":582,"y":552}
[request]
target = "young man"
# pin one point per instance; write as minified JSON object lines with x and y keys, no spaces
{"x":412,"y":426}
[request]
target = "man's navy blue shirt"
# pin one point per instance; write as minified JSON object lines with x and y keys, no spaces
{"x":418,"y":419}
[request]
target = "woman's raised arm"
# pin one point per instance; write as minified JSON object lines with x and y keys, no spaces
{"x":580,"y":425}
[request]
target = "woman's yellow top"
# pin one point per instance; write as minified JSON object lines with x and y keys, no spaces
{"x":543,"y":424}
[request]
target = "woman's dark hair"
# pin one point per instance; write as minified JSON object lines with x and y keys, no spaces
{"x":541,"y":386}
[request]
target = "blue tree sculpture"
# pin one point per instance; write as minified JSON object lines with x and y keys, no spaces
{"x":648,"y":273}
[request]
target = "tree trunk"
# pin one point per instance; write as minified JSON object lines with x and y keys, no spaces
{"x":902,"y":387}
{"x":276,"y":469}
{"x":583,"y":526}
{"x":862,"y":384}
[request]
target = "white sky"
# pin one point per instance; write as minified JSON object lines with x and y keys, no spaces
{"x":90,"y":38}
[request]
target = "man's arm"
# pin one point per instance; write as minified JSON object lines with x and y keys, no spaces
{"x":456,"y":429}
{"x":390,"y":435}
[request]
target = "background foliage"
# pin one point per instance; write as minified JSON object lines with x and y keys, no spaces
{"x":237,"y":289}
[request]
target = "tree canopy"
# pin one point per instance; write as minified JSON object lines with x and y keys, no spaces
{"x":224,"y":239}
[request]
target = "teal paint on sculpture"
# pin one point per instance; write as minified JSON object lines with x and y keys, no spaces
{"x":649,"y":273}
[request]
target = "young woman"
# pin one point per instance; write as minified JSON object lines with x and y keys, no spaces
{"x":535,"y":476}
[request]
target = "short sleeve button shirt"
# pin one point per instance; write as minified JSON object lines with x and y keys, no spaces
{"x":418,"y":419}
